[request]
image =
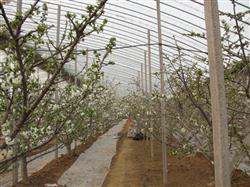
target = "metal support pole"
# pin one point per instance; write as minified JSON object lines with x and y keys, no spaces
{"x":162,"y":91}
{"x":150,"y":94}
{"x":218,"y":98}
{"x":142,"y":82}
{"x":145,"y":72}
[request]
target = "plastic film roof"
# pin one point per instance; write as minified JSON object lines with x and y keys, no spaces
{"x":129,"y":22}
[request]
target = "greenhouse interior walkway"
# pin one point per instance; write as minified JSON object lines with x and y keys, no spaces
{"x":92,"y":166}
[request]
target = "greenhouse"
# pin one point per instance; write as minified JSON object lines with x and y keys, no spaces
{"x":125,"y":93}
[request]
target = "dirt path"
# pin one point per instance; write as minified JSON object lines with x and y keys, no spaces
{"x":132,"y":167}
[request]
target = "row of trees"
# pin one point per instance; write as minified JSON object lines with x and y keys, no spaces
{"x":34,"y":113}
{"x":188,"y":100}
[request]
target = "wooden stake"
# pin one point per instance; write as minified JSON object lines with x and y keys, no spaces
{"x":218,"y":98}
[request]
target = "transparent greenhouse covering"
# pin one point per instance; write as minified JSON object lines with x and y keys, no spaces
{"x":129,"y":22}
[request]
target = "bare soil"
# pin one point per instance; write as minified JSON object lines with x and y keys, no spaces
{"x":133,"y":167}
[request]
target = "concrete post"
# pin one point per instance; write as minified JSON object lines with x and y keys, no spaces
{"x":162,"y":91}
{"x":58,"y":25}
{"x":76,"y":69}
{"x":87,"y":59}
{"x":139,"y":82}
{"x":57,"y":45}
{"x":218,"y":98}
{"x":142,"y":82}
{"x":34,"y":60}
{"x":149,"y":62}
{"x":145,"y":72}
{"x":19,"y":6}
{"x":150,"y":93}
{"x":15,"y":165}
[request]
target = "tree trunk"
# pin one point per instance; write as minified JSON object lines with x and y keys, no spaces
{"x":56,"y":150}
{"x":68,"y":147}
{"x":24,"y":170}
{"x":15,"y":168}
{"x":75,"y":143}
